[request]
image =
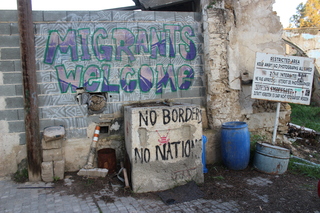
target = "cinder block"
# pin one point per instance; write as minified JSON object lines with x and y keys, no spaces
{"x":96,"y":172}
{"x":46,"y":123}
{"x":14,"y":28}
{"x":52,"y":155}
{"x":58,"y":169}
{"x":192,"y":92}
{"x":55,"y":144}
{"x":144,"y":16}
{"x":5,"y":28}
{"x":6,"y":66}
{"x":37,"y":16}
{"x":7,"y":90}
{"x":10,"y":53}
{"x":8,"y":115}
{"x":17,"y":66}
{"x":101,"y":15}
{"x":71,"y":15}
{"x":184,"y":16}
{"x":54,"y":15}
{"x":12,"y":78}
{"x":118,"y":15}
{"x":9,"y":41}
{"x":16,"y":102}
{"x":47,"y":171}
{"x":22,"y":140}
{"x":165,"y":16}
{"x":16,"y":126}
{"x":9,"y":15}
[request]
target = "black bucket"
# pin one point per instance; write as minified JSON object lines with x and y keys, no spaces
{"x":107,"y":159}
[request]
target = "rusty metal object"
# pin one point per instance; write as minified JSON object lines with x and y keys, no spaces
{"x":28,"y":62}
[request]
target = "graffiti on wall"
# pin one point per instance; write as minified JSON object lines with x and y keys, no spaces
{"x":180,"y":115}
{"x":92,"y":51}
{"x":167,"y":151}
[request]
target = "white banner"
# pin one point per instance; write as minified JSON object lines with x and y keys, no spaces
{"x":283,"y":78}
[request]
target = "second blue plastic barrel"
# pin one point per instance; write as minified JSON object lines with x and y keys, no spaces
{"x":235,"y":145}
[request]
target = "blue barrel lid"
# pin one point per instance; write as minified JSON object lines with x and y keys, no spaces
{"x":234,"y":124}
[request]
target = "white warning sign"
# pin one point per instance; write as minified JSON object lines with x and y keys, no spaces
{"x":283,"y":78}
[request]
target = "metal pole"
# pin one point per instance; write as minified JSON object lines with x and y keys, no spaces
{"x":276,"y":122}
{"x":28,"y":62}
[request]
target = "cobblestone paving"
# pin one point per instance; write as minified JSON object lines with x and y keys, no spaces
{"x":38,"y":197}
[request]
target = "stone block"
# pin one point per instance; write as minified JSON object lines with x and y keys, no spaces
{"x":53,"y":133}
{"x":164,"y":145}
{"x":47,"y":171}
{"x":55,"y":144}
{"x":96,"y":172}
{"x":58,"y":169}
{"x":52,"y":155}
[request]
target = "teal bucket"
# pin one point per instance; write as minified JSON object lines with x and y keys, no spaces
{"x":271,"y":159}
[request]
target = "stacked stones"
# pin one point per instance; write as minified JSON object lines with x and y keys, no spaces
{"x":52,"y":167}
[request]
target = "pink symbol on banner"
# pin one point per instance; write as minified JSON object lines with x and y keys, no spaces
{"x":163,"y":139}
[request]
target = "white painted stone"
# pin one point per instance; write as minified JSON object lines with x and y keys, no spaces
{"x":95,"y":172}
{"x":164,"y":148}
{"x":115,"y":126}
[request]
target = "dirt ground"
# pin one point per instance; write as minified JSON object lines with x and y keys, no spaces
{"x":252,"y":190}
{"x":286,"y":193}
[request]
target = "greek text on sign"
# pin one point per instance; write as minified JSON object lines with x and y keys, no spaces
{"x":283,"y":78}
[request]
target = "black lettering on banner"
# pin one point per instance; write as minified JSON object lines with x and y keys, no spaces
{"x":166,"y":116}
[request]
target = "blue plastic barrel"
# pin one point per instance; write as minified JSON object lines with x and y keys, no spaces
{"x":204,"y":141}
{"x":235,"y":145}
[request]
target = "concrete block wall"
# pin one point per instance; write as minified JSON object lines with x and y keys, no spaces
{"x":158,"y":55}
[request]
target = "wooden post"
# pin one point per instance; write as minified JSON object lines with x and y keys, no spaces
{"x":31,"y":117}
